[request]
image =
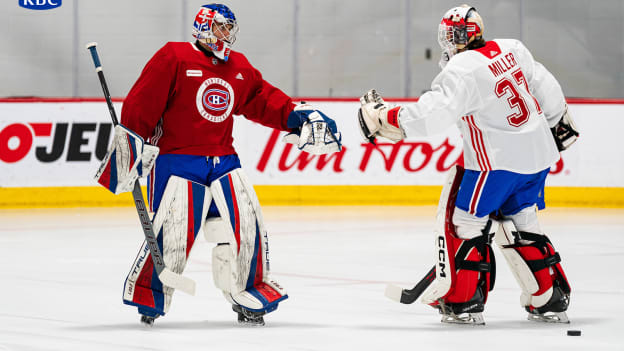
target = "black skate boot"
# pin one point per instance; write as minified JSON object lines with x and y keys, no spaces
{"x":468,"y":312}
{"x":554,"y":310}
{"x":147,"y":320}
{"x":148,"y":317}
{"x":247,"y":317}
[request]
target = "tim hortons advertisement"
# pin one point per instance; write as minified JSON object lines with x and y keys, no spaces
{"x":62,"y":144}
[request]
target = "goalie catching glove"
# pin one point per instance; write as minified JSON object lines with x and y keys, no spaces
{"x":565,"y":132}
{"x":128,"y":158}
{"x":313,"y":132}
{"x":377,"y":118}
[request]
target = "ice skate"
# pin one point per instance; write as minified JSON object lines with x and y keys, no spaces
{"x":465,"y":318}
{"x":549,"y":317}
{"x":463,"y":313}
{"x":148,"y":317}
{"x":554,"y":310}
{"x":247,"y":317}
{"x":147,"y":321}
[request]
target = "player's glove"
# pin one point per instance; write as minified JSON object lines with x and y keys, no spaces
{"x":565,"y":132}
{"x":128,"y":158}
{"x":313,"y":132}
{"x":377,"y":118}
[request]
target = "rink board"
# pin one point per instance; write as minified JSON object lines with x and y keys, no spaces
{"x":300,"y":195}
{"x":50,"y":149}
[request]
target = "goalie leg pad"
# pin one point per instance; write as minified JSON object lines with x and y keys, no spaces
{"x":537,"y":268}
{"x":177,"y":222}
{"x":464,"y":267}
{"x":240,"y":260}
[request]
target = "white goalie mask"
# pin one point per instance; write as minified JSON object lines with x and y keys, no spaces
{"x":459,"y":27}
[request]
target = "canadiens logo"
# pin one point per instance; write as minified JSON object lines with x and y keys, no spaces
{"x":215,"y":99}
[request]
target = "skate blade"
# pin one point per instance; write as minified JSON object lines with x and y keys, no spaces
{"x":549,"y":317}
{"x":466,"y":318}
{"x":147,"y":321}
{"x":251,"y":324}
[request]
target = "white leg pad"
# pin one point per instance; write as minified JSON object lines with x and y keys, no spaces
{"x":521,"y":271}
{"x":240,"y":261}
{"x":442,"y":283}
{"x":177,"y":223}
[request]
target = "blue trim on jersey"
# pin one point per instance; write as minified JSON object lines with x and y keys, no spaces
{"x":506,"y":191}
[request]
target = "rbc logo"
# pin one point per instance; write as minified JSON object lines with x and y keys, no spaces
{"x":40,"y":4}
{"x":216,"y":99}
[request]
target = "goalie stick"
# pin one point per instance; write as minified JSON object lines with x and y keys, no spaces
{"x":166,"y":276}
{"x":408,"y":296}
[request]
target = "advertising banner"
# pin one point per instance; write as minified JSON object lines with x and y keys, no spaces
{"x":61,"y":143}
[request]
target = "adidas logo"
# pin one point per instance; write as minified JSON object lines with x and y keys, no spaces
{"x":493,"y":53}
{"x":239,"y":76}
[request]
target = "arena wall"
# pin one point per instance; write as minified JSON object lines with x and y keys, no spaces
{"x":51,"y":148}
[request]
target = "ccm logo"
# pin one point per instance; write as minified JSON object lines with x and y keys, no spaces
{"x":40,"y":4}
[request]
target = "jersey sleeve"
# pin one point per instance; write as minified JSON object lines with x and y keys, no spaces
{"x":147,"y":99}
{"x":453,"y":93}
{"x":266,"y":104}
{"x":543,"y":86}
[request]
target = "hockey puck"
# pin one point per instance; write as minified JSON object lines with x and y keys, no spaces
{"x":574,"y":333}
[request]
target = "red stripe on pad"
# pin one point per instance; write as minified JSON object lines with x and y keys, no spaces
{"x":142,"y":289}
{"x":190,"y":230}
{"x":259,"y":262}
{"x":236,"y":214}
{"x":132,"y":155}
{"x":268,"y":292}
{"x":105,"y":176}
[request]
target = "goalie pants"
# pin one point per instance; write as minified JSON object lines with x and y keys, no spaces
{"x":149,"y":294}
{"x":482,"y":193}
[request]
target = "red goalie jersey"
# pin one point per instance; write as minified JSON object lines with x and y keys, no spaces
{"x":185,"y":98}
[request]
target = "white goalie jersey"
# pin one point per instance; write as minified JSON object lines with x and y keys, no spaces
{"x":504,"y":103}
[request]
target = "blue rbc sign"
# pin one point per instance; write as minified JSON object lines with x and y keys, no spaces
{"x":40,"y":4}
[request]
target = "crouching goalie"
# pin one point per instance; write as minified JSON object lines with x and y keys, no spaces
{"x":184,"y":104}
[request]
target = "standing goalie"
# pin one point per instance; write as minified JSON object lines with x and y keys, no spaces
{"x":508,"y":108}
{"x":184,"y":104}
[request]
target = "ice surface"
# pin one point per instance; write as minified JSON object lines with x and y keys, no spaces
{"x":62,"y":272}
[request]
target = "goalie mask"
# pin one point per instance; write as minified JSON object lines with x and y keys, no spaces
{"x":459,"y":27}
{"x":215,"y":26}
